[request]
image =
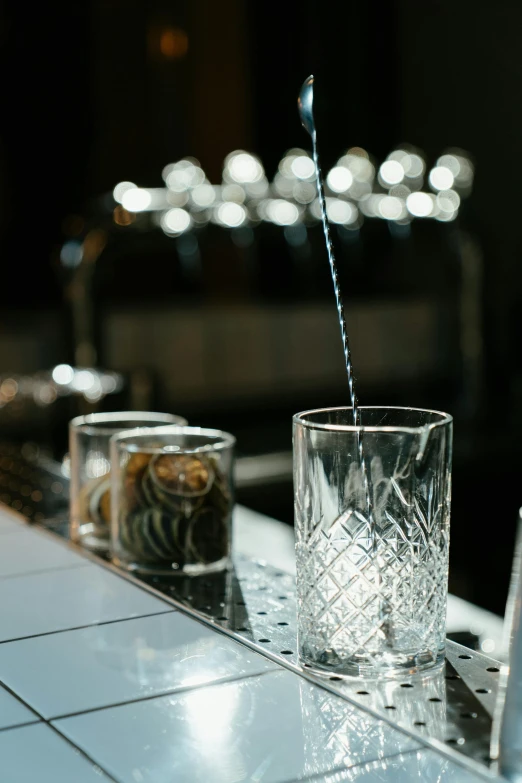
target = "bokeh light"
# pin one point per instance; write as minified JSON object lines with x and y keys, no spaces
{"x":63,"y":374}
{"x":231,"y":214}
{"x":71,"y":253}
{"x":461,"y":167}
{"x":175,"y":221}
{"x":120,"y":189}
{"x":441,"y":178}
{"x":184,"y":175}
{"x":303,"y":167}
{"x":203,"y":195}
{"x":121,"y":217}
{"x":392,"y":208}
{"x":282,"y":212}
{"x":341,"y":212}
{"x":339,"y":179}
{"x":173,"y":43}
{"x":242,"y":167}
{"x":420,"y":204}
{"x":136,"y":199}
{"x":391,"y":172}
{"x":285,"y":164}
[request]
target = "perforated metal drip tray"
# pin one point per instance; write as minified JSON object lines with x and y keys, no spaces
{"x":256,"y":604}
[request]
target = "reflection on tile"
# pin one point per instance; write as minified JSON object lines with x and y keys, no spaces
{"x":423,"y":704}
{"x":58,"y":600}
{"x":28,"y":550}
{"x":424,"y":765}
{"x":107,"y":664}
{"x":37,"y":753}
{"x":13,"y":712}
{"x":8,"y":523}
{"x":436,"y":703}
{"x":350,"y":735}
{"x":254,"y":729}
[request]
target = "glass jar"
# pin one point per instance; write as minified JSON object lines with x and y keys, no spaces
{"x":89,"y":438}
{"x":172,"y":500}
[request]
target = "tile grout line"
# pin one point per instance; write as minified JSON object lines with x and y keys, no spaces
{"x":50,"y":570}
{"x":171,"y":692}
{"x":173,"y":610}
{"x":22,"y":701}
{"x":174,"y":692}
{"x":34,"y":722}
{"x":83,"y":753}
{"x":41,"y":720}
{"x":100,"y":561}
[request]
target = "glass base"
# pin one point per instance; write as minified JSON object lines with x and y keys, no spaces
{"x":192,"y":569}
{"x":385,"y":666}
{"x":92,"y":537}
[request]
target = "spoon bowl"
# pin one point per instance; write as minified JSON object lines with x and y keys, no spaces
{"x":305,"y":104}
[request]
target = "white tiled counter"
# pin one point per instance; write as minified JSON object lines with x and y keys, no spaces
{"x":104,"y":680}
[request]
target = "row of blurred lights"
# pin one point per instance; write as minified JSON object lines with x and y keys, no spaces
{"x":355,"y":189}
{"x":399,"y":190}
{"x":62,"y":381}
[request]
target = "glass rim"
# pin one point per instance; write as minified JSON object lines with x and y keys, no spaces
{"x":224,"y":440}
{"x":92,"y":423}
{"x":300,"y":418}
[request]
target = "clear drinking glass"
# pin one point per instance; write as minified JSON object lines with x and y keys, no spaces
{"x":372,"y":510}
{"x":172,"y":500}
{"x":89,"y":438}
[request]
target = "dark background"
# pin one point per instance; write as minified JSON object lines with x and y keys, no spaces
{"x":88,"y":99}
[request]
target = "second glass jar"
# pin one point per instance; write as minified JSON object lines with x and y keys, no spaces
{"x":172,"y":499}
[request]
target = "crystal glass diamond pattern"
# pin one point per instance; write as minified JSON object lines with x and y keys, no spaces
{"x":372,"y":578}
